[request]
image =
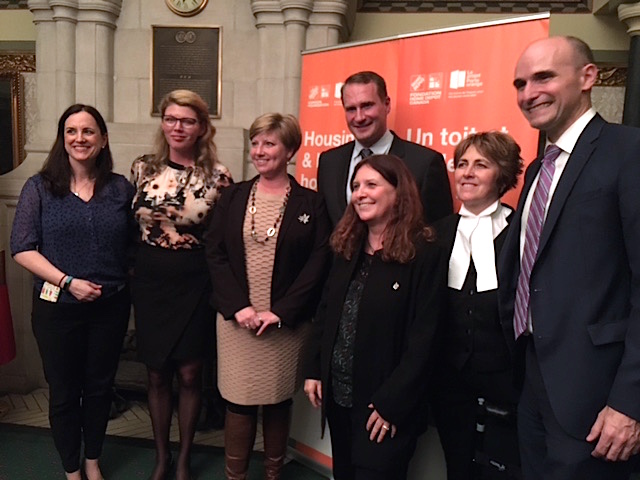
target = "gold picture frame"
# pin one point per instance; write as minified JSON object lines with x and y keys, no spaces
{"x":12,"y":107}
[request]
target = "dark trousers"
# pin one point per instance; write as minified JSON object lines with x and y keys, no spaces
{"x":547,"y":451}
{"x":456,"y":411}
{"x":341,"y":425}
{"x":80,"y":346}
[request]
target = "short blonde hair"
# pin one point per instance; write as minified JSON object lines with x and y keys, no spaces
{"x":285,"y":126}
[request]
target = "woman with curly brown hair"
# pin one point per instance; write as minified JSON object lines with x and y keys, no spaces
{"x":369,"y":364}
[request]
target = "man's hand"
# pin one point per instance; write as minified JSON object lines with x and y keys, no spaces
{"x":618,"y":436}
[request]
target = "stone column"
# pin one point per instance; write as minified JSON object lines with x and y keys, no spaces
{"x":65,"y":15}
{"x":331,"y":22}
{"x":94,"y":53}
{"x":269,"y":80}
{"x":296,"y":20}
{"x":291,"y":26}
{"x":45,"y":69}
{"x":630,"y":14}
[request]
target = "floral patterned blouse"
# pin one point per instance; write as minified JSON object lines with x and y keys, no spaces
{"x":172,"y":205}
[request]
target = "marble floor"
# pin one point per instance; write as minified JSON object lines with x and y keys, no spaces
{"x":31,"y":409}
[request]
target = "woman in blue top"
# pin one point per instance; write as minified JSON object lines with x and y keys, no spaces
{"x":71,"y":230}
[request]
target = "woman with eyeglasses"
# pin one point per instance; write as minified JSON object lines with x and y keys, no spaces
{"x":175,"y":189}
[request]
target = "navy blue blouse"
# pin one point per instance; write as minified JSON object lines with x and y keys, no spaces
{"x":87,"y":240}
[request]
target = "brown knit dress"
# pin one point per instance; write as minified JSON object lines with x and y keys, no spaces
{"x":260,"y":370}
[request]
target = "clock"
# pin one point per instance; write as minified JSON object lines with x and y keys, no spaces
{"x":186,"y":8}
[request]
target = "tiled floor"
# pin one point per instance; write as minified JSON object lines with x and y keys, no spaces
{"x":135,"y":422}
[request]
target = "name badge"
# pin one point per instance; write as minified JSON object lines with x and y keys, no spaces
{"x":49,"y":292}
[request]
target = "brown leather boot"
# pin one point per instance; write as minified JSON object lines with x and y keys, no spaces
{"x":239,"y":435}
{"x":275,"y":430}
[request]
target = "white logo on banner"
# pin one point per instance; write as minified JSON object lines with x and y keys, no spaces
{"x":457,"y":79}
{"x":316,"y":95}
{"x":417,"y":83}
{"x":425,"y":88}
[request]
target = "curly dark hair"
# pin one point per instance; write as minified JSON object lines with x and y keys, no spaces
{"x":406,"y":223}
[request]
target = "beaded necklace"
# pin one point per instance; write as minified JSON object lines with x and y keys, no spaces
{"x":252,"y":210}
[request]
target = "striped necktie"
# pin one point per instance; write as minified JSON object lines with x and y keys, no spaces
{"x":366,"y":152}
{"x":535,"y":221}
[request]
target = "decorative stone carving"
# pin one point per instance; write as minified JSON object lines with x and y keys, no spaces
{"x":612,"y":77}
{"x":629,"y":13}
{"x":17,"y":62}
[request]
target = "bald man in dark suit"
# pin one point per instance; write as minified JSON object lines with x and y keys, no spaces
{"x":569,"y":275}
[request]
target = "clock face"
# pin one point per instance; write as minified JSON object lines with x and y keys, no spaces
{"x":186,"y":8}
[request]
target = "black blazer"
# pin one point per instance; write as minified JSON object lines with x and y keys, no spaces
{"x":427,"y":166}
{"x":471,"y":334}
{"x":302,"y":255}
{"x":585,"y":283}
{"x":398,"y":314}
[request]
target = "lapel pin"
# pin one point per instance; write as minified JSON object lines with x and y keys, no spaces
{"x":396,"y":286}
{"x":304,"y":218}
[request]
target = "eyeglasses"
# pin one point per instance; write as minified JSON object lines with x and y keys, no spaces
{"x":187,"y":122}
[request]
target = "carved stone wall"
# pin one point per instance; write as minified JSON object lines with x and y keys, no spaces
{"x":608,"y":93}
{"x":99,"y":52}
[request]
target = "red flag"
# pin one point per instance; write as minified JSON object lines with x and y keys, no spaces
{"x":7,"y":340}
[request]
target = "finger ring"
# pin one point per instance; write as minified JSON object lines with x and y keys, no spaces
{"x":385,"y":427}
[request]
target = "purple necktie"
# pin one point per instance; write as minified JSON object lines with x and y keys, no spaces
{"x":535,"y":221}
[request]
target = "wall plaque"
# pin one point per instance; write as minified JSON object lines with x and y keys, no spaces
{"x":187,"y":58}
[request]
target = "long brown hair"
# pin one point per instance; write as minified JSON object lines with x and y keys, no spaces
{"x":406,"y":223}
{"x":56,"y":170}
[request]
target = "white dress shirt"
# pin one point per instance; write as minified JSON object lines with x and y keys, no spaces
{"x":566,"y":142}
{"x":381,"y":147}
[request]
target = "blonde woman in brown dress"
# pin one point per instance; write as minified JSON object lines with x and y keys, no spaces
{"x":176,"y":189}
{"x":268,"y":254}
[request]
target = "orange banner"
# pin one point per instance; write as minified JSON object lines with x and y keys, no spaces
{"x":443,"y":86}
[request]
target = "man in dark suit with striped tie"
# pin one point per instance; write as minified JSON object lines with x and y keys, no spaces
{"x":569,"y":275}
{"x":366,"y":106}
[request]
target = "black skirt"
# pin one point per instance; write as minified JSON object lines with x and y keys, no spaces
{"x":171,"y":291}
